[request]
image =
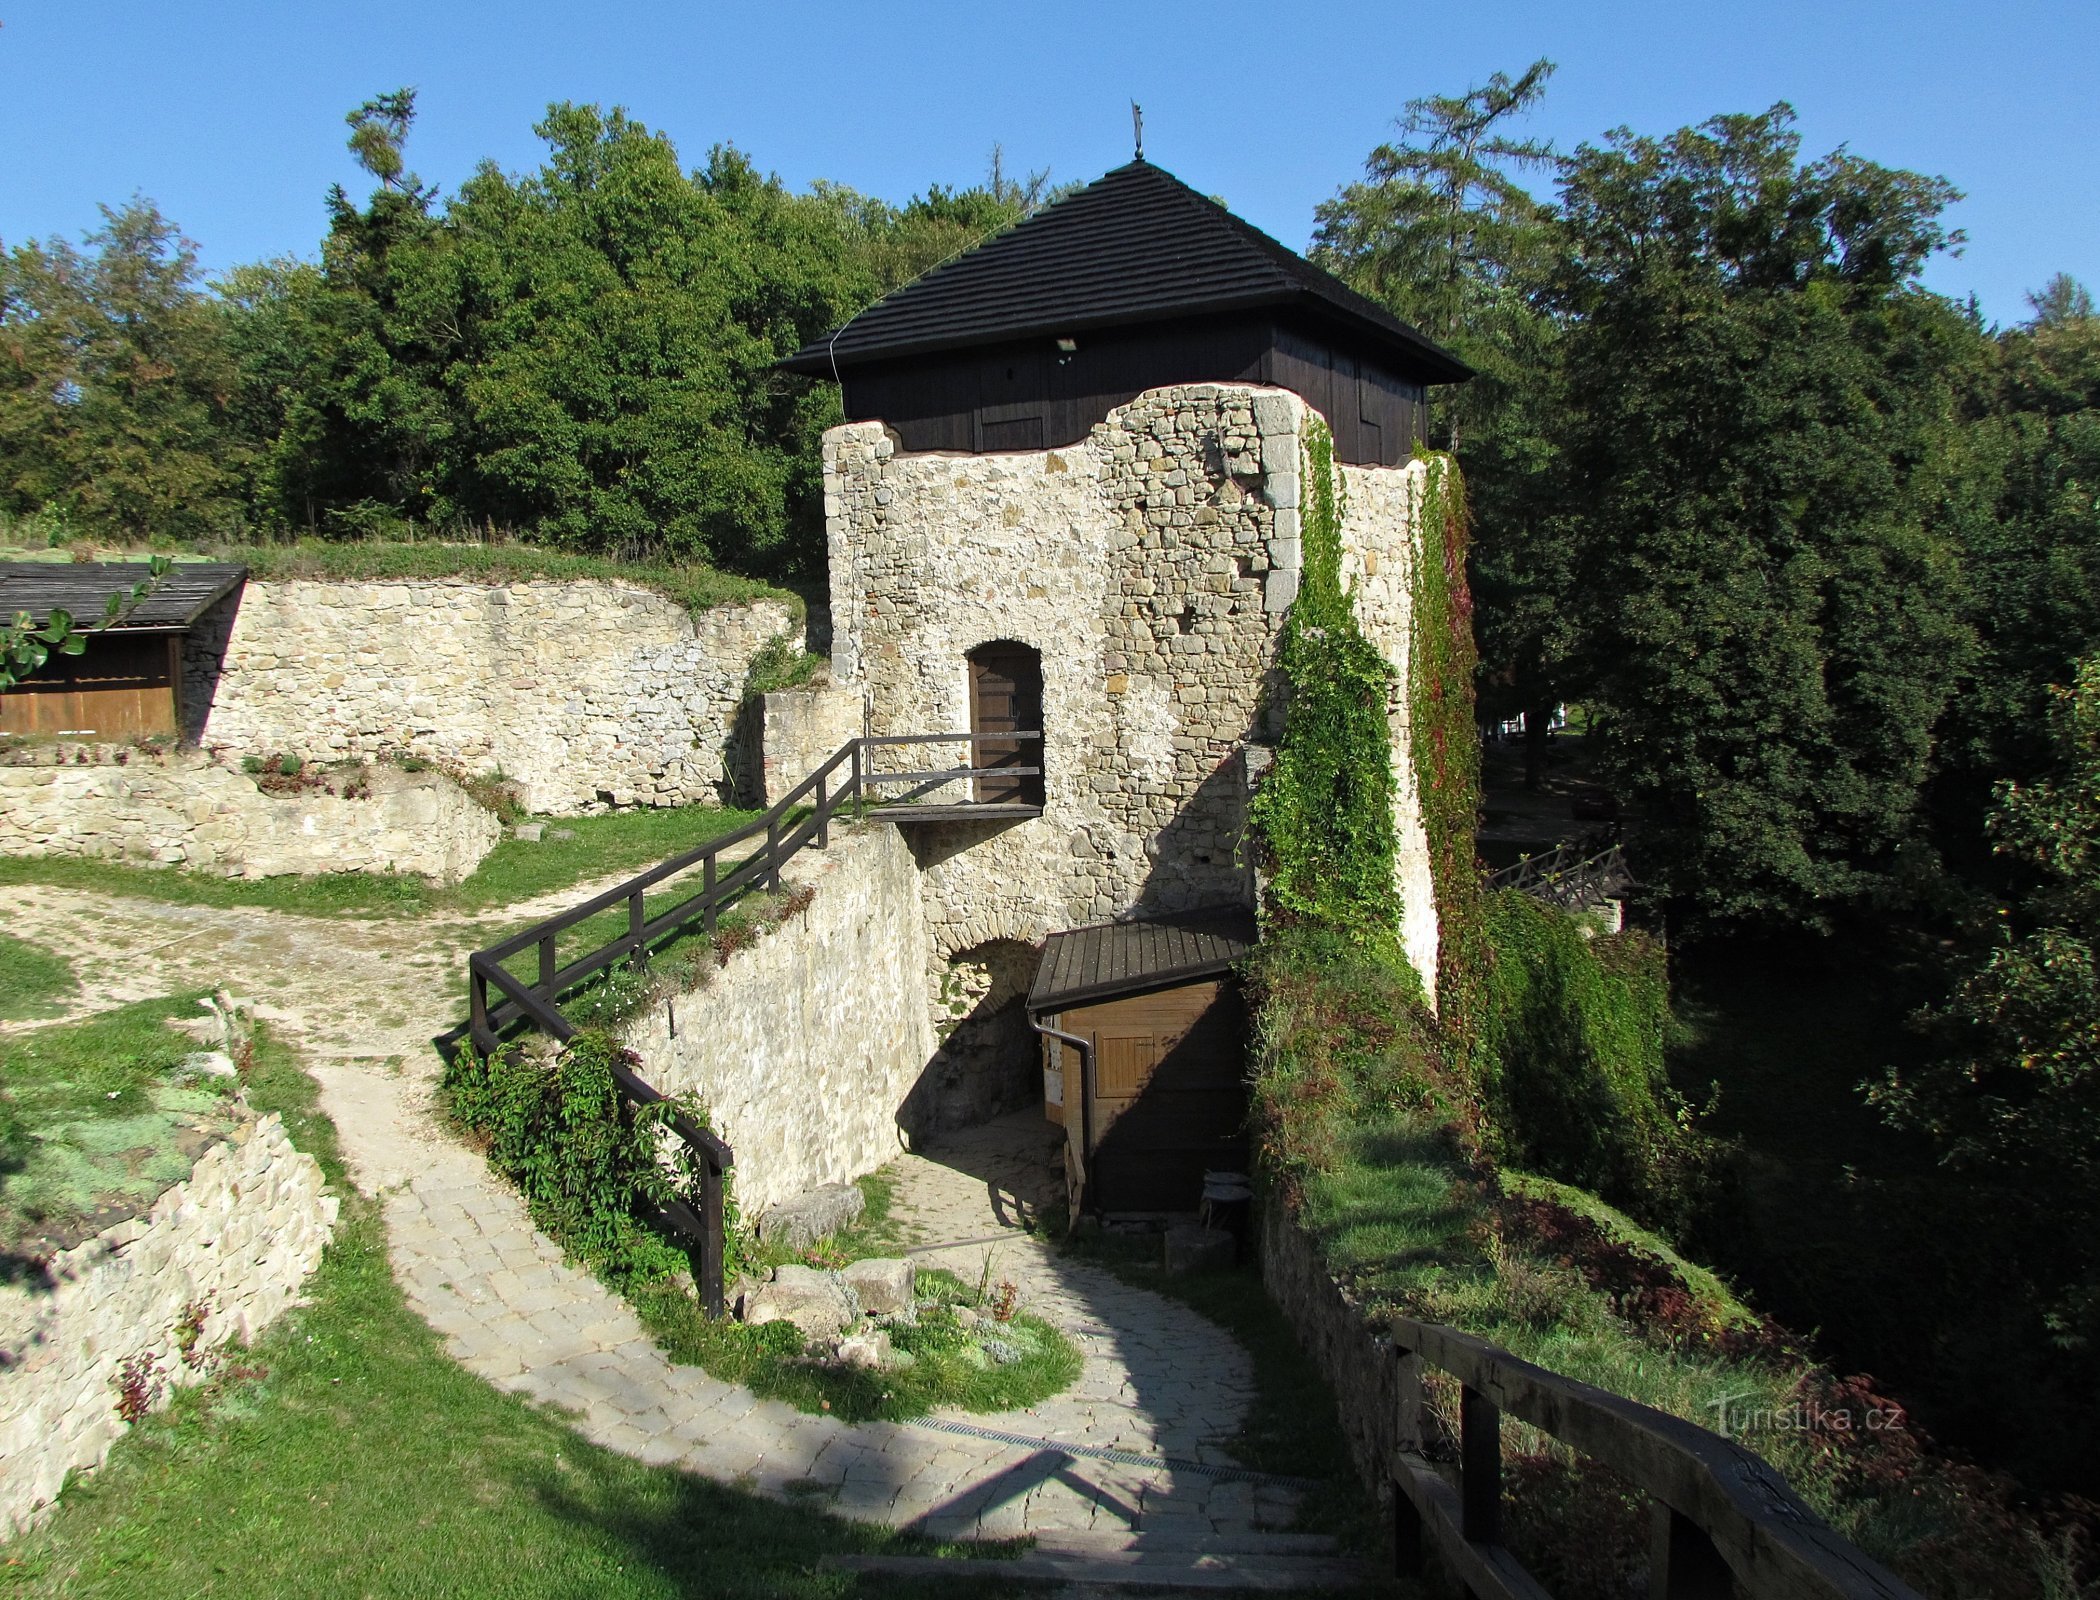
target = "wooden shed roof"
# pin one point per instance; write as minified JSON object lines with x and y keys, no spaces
{"x":1135,"y":246}
{"x":1130,"y":957}
{"x":83,"y":588}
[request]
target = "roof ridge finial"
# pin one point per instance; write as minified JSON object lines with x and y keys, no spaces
{"x":1137,"y":127}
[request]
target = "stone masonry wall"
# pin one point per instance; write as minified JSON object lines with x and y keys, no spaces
{"x":184,"y":809}
{"x":802,"y":729}
{"x":588,"y":694}
{"x":1151,"y":566}
{"x":806,"y":1046}
{"x":225,"y":1250}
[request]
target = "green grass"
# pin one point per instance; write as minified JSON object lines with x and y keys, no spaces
{"x":110,"y":1117}
{"x":348,"y":1456}
{"x":608,"y":843}
{"x":952,"y":1367}
{"x":698,"y":588}
{"x":34,"y":982}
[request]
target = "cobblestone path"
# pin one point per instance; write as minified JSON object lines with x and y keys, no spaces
{"x":1135,"y":1443}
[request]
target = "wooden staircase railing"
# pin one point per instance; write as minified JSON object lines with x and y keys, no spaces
{"x":802,"y":817}
{"x":1724,"y":1521}
{"x":1569,"y":876}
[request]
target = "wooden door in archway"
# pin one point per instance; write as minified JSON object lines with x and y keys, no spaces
{"x":1006,"y":698}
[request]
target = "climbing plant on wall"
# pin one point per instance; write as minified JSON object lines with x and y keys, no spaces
{"x":1446,"y":744}
{"x":1326,"y":807}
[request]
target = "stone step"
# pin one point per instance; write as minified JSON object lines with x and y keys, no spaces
{"x":1167,"y":1571}
{"x":1094,"y":1541}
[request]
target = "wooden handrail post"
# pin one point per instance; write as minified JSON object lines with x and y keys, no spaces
{"x":707,"y":890}
{"x":477,"y":1005}
{"x":1409,"y":1547}
{"x":711,"y":1236}
{"x":1480,"y":1468}
{"x":773,"y":854}
{"x":823,"y":815}
{"x":634,"y":928}
{"x":547,"y":965}
{"x":1407,"y":1401}
{"x":859,"y":782}
{"x":1682,"y":1561}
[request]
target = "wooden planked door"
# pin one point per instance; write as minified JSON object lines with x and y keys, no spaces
{"x":1006,"y":697}
{"x":1169,"y":1099}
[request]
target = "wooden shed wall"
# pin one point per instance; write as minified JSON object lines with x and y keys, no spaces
{"x":1033,"y":397}
{"x":123,"y":686}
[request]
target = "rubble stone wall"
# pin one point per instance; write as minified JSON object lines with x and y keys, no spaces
{"x":587,"y":694}
{"x":183,"y":809}
{"x":215,"y":1260}
{"x":1151,"y":567}
{"x":807,"y":1044}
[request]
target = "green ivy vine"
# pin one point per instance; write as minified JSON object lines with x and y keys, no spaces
{"x":1326,"y":806}
{"x":1447,"y":746}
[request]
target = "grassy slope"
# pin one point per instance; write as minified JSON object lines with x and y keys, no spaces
{"x":617,"y":841}
{"x":349,"y":1456}
{"x":697,"y":588}
{"x":106,"y":1100}
{"x":33,"y":981}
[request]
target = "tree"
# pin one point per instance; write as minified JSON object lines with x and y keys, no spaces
{"x":2061,"y":300}
{"x":1443,"y":233}
{"x":2013,"y":1097}
{"x":115,"y":383}
{"x":1757,"y":405}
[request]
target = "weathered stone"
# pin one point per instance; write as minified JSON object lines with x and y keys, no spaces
{"x":870,"y":1349}
{"x":211,"y":1064}
{"x":487,"y":676}
{"x":530,"y":832}
{"x":806,"y":1218}
{"x":1193,"y":1248}
{"x":215,"y":1260}
{"x":815,"y":1302}
{"x":884,"y":1285}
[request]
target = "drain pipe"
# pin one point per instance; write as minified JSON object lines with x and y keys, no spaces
{"x":1085,"y":1047}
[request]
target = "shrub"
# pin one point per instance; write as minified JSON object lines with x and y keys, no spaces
{"x":591,"y":1166}
{"x":1571,"y":1060}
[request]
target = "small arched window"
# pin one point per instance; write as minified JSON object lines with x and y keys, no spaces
{"x":1006,"y":699}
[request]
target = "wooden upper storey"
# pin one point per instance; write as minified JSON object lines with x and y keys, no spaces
{"x":1135,"y":282}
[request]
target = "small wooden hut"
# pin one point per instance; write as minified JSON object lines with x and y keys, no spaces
{"x":1149,"y":1078}
{"x":127,"y":683}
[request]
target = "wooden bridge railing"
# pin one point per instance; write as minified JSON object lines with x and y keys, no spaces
{"x":803,"y":816}
{"x":1570,"y":876}
{"x":1724,"y":1521}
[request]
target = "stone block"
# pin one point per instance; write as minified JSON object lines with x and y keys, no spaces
{"x":884,"y":1285}
{"x":870,"y":1349}
{"x":802,"y":1221}
{"x":1193,"y":1248}
{"x":816,"y":1302}
{"x":1279,"y":589}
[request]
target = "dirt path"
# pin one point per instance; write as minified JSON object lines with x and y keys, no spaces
{"x":1136,"y":1443}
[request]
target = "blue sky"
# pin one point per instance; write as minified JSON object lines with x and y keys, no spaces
{"x":229,"y":114}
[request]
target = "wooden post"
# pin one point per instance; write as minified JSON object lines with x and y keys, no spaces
{"x":547,"y":965}
{"x":823,"y":815}
{"x":1480,"y":1468}
{"x":773,"y":855}
{"x":634,"y":928}
{"x":1407,"y":1533}
{"x":707,"y":888}
{"x":711,"y":1240}
{"x":859,"y":784}
{"x":1682,"y":1561}
{"x":1407,"y":1401}
{"x":478,"y":1007}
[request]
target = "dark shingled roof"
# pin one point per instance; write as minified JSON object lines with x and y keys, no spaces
{"x":1136,"y":245}
{"x":1129,"y":957}
{"x":84,"y":587}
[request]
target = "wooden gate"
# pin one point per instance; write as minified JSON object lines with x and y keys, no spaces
{"x":1006,"y":697}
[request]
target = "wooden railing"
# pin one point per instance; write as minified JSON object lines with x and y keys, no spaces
{"x":1724,"y":1521}
{"x":1570,"y":876}
{"x":846,"y":781}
